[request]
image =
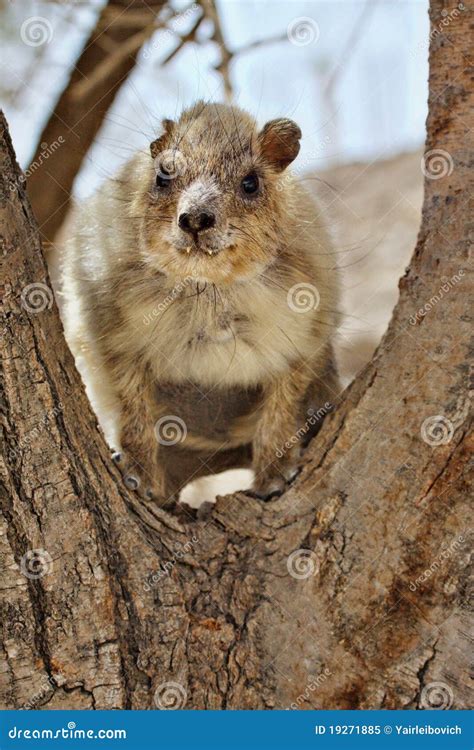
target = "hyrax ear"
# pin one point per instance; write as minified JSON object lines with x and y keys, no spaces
{"x":280,"y":142}
{"x":157,"y":146}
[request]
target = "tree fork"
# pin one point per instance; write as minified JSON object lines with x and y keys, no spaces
{"x":349,"y":591}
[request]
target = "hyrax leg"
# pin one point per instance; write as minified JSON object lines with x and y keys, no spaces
{"x":277,"y":442}
{"x":139,"y":457}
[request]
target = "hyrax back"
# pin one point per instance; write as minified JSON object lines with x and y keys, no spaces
{"x":199,"y":285}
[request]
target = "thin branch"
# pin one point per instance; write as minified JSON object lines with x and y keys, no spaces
{"x":260,"y":43}
{"x":210,"y":10}
{"x":102,"y":72}
{"x":190,"y":36}
{"x":132,"y":18}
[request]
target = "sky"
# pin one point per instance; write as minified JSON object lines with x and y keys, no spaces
{"x":352,"y":74}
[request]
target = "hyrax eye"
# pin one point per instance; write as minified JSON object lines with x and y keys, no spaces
{"x":250,"y":183}
{"x":163,"y":178}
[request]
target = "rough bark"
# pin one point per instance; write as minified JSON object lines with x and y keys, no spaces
{"x":242,"y":618}
{"x":75,"y":120}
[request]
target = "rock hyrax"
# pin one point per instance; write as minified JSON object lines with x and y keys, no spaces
{"x":201,"y":289}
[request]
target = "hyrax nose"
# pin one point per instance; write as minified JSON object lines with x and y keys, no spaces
{"x":196,"y":221}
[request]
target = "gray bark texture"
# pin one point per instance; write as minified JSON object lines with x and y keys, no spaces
{"x":348,"y":591}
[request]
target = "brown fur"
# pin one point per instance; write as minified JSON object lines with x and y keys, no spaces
{"x":204,"y":332}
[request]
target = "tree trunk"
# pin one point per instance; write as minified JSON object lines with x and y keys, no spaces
{"x":75,"y":120}
{"x":349,"y":591}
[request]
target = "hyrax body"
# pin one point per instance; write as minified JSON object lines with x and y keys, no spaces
{"x":201,"y":289}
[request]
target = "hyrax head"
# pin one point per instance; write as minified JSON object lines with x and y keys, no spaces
{"x":214,"y":208}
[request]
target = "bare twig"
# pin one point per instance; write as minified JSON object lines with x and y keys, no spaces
{"x":227,"y":55}
{"x":190,"y":36}
{"x":260,"y":43}
{"x":210,"y":10}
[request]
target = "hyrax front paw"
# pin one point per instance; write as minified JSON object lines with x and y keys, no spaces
{"x":135,"y":477}
{"x":272,"y":479}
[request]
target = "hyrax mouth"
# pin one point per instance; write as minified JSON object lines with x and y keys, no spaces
{"x":197,"y":248}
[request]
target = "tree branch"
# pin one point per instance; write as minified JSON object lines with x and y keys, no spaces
{"x":75,"y":120}
{"x":349,"y":591}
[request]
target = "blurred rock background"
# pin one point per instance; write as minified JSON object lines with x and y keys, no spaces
{"x":376,"y":210}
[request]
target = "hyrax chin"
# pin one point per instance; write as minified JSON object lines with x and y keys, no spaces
{"x":201,"y":292}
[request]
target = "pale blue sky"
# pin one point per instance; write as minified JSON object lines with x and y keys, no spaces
{"x":377,"y":106}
